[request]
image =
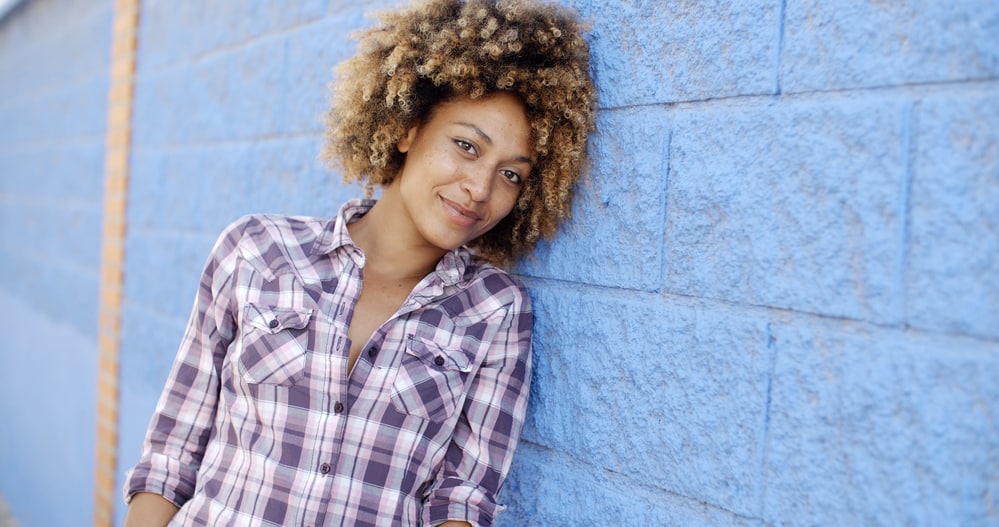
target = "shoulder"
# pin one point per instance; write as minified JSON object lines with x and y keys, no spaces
{"x":276,"y":227}
{"x":272,"y":242}
{"x":488,"y":289}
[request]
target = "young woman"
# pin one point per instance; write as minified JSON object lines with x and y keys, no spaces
{"x":373,"y":368}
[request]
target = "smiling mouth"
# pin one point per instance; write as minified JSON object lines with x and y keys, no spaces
{"x":459,"y":214}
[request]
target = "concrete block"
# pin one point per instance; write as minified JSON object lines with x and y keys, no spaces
{"x":193,"y":189}
{"x":37,"y":60}
{"x":547,"y":488}
{"x":163,"y":269}
{"x":175,"y":33}
{"x":672,"y":393}
{"x":150,"y":336}
{"x":41,"y":266}
{"x":953,"y":272}
{"x":369,"y":10}
{"x":286,"y":177}
{"x":881,"y":427}
{"x":659,"y":52}
{"x":67,"y":293}
{"x":843,"y":45}
{"x":205,"y":189}
{"x":48,"y":375}
{"x":795,"y":206}
{"x":83,"y":43}
{"x":227,"y":96}
{"x":73,"y":171}
{"x":618,"y":210}
{"x":313,"y":52}
{"x":75,"y":111}
{"x":75,"y":240}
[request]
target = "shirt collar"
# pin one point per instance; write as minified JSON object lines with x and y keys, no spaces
{"x":450,"y":269}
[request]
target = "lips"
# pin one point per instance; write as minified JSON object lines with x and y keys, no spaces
{"x":459,"y":214}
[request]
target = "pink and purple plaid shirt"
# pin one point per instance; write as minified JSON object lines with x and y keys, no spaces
{"x":260,"y":423}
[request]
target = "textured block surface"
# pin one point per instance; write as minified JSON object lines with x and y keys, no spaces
{"x":48,"y":377}
{"x":837,"y":45}
{"x":648,"y":52}
{"x":173,"y":33}
{"x":881,"y":427}
{"x":548,"y":489}
{"x":671,"y":393}
{"x":797,"y":206}
{"x":953,"y":280}
{"x":614,"y":235}
{"x":776,"y":303}
{"x":231,"y":95}
{"x":53,"y":106}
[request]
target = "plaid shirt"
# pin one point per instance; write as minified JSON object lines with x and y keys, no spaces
{"x":260,"y":423}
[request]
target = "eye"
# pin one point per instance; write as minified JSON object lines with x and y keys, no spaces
{"x":465,"y":145}
{"x":511,"y":176}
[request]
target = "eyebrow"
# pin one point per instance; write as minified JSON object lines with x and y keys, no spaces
{"x":489,"y":140}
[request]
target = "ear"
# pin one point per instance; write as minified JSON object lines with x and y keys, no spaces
{"x":406,"y":142}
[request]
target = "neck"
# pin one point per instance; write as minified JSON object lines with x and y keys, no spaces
{"x":389,"y":245}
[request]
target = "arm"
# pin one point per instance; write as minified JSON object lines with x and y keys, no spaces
{"x":179,"y":429}
{"x":149,"y":510}
{"x":487,"y":431}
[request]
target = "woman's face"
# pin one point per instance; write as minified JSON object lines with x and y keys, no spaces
{"x":464,"y":168}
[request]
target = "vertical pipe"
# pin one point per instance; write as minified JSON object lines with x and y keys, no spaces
{"x":116,"y":173}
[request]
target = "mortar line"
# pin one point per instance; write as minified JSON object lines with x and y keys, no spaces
{"x":625,"y":477}
{"x":848,"y":93}
{"x":780,"y":47}
{"x":909,"y":149}
{"x":765,"y":439}
{"x":664,"y":208}
{"x":207,"y":55}
{"x":623,"y":293}
{"x":239,"y":142}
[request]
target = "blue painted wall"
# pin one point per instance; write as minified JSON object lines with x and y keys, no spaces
{"x":777,"y":302}
{"x":54,"y":58}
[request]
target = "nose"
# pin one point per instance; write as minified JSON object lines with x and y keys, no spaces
{"x":477,"y":183}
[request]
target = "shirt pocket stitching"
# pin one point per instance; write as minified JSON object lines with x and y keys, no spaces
{"x":430,"y":379}
{"x":272,"y":349}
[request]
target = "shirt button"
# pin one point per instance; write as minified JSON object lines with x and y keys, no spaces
{"x":439,"y":360}
{"x":338,"y":407}
{"x":324,"y":468}
{"x":372,"y":352}
{"x":273,"y":323}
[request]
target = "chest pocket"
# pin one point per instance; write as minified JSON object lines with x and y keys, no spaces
{"x":431,"y":379}
{"x":274,"y":344}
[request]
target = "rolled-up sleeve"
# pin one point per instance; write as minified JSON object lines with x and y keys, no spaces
{"x":181,"y":424}
{"x":481,"y":450}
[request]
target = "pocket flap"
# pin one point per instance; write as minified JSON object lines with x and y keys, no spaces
{"x":274,"y":319}
{"x":433,"y":355}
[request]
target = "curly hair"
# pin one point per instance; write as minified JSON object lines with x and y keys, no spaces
{"x":439,"y":50}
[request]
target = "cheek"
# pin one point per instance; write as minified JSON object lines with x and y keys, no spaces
{"x":507,"y":200}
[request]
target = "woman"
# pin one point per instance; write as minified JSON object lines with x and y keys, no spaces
{"x":373,"y":368}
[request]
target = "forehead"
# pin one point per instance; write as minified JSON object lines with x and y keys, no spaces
{"x":501,"y":115}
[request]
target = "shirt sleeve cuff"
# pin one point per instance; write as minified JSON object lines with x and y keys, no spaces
{"x":454,"y":500}
{"x":161,"y":475}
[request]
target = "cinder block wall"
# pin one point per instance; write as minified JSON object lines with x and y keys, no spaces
{"x":777,"y":302}
{"x":54,"y":58}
